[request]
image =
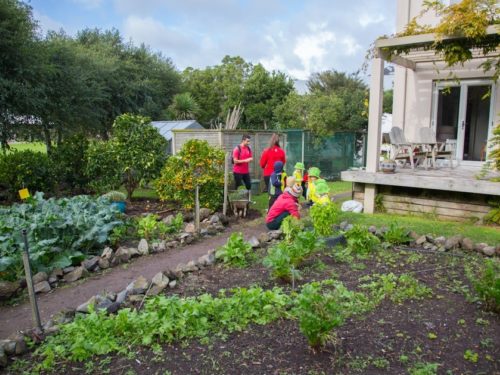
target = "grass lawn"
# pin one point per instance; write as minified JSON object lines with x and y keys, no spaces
{"x":32,"y":146}
{"x":144,"y":193}
{"x":422,"y":225}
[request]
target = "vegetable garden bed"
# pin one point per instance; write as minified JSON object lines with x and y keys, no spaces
{"x":403,"y":311}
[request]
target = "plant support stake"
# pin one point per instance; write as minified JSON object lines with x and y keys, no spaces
{"x":29,"y":281}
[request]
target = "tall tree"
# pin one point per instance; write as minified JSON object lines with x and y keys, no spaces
{"x":219,"y":88}
{"x":18,"y":64}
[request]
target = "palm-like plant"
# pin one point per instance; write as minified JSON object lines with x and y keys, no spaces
{"x":184,"y":107}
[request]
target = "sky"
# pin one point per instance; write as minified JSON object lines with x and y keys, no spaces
{"x":292,"y":36}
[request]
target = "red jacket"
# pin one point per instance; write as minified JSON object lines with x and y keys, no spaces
{"x":285,"y":202}
{"x":269,"y":157}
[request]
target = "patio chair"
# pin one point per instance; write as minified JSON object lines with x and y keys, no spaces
{"x":401,"y":148}
{"x":437,"y":150}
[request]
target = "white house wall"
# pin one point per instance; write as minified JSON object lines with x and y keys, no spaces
{"x":413,"y":105}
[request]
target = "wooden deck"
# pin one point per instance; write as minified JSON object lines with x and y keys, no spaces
{"x":460,"y":179}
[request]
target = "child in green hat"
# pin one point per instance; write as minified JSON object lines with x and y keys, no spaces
{"x":314,"y":174}
{"x":321,"y":193}
{"x":300,"y":176}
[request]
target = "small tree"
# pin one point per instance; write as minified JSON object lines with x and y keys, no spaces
{"x":197,"y":163}
{"x":139,"y":148}
{"x":184,"y":107}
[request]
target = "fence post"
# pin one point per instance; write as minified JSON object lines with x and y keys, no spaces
{"x":29,"y":281}
{"x":226,"y":182}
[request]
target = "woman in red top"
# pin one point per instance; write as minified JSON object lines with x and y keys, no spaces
{"x":271,"y":155}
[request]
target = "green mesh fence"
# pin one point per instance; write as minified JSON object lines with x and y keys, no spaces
{"x":331,"y":154}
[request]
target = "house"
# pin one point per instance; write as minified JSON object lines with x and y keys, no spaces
{"x":452,"y":102}
{"x":165,"y":128}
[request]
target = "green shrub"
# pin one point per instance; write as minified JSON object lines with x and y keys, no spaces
{"x":360,"y":241}
{"x":324,"y":217}
{"x":493,"y":215}
{"x":236,"y":252}
{"x":70,"y":163}
{"x":25,"y":169}
{"x":139,"y":148}
{"x":102,"y":168}
{"x":487,"y":284}
{"x":196,"y":164}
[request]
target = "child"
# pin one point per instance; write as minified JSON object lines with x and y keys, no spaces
{"x":286,"y":205}
{"x":321,"y":193}
{"x":276,"y":183}
{"x":300,"y":176}
{"x":313,"y":176}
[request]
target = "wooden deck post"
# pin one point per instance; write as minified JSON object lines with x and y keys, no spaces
{"x":374,"y":128}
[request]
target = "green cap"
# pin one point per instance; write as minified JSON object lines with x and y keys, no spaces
{"x":314,"y":172}
{"x":321,"y":187}
{"x":299,"y":165}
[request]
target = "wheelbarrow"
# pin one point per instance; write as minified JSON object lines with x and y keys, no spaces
{"x":239,"y":201}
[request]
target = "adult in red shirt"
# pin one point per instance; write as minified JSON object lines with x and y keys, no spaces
{"x":271,"y":155}
{"x":285,"y":205}
{"x":242,"y":156}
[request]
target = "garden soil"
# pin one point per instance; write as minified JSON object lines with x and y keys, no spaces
{"x":18,"y":317}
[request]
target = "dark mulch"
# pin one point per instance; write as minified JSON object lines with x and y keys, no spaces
{"x":392,"y":339}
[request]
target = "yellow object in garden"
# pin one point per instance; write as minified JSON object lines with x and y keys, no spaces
{"x":24,"y":193}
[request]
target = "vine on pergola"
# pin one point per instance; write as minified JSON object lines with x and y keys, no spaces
{"x":468,"y":21}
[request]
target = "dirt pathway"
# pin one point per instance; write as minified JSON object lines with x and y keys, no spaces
{"x":18,"y":318}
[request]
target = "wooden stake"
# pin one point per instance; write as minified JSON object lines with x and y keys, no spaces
{"x":226,"y":182}
{"x":197,"y":209}
{"x":29,"y":281}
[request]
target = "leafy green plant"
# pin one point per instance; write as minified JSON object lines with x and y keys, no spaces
{"x":319,"y":310}
{"x":25,"y":169}
{"x":396,"y":235}
{"x":291,"y":226}
{"x":279,"y":260}
{"x":324,"y":217}
{"x":151,"y":227}
{"x":163,"y":320}
{"x":471,"y":356}
{"x":236,"y":252}
{"x":197,"y":163}
{"x":423,"y":368}
{"x":60,"y":231}
{"x":360,"y":241}
{"x":493,"y":215}
{"x":487,"y":284}
{"x":284,"y":258}
{"x":396,"y":288}
{"x":379,"y":203}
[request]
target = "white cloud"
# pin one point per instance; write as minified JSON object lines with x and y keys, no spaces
{"x":367,"y":19}
{"x":311,"y":50}
{"x":276,"y":62}
{"x":351,"y":46}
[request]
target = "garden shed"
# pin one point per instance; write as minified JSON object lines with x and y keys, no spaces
{"x":166,"y":127}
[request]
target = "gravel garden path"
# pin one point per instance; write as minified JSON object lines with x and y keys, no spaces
{"x":18,"y":317}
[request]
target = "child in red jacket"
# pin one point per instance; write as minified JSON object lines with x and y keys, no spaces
{"x":287,"y":204}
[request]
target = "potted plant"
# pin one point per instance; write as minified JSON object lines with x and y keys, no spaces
{"x":117,"y":199}
{"x":388,"y":165}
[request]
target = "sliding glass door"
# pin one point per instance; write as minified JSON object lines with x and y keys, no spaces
{"x":463,"y":113}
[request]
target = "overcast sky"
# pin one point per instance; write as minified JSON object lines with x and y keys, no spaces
{"x":296,"y":37}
